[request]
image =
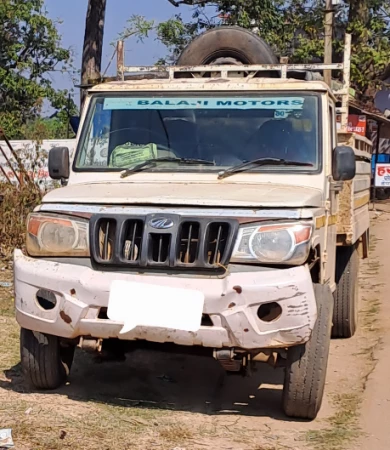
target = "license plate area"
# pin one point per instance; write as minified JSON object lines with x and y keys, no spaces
{"x":144,"y":305}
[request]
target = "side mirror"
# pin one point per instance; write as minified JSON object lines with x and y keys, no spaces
{"x":344,"y":163}
{"x":59,"y":163}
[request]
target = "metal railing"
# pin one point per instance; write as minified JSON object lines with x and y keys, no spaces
{"x":247,"y":71}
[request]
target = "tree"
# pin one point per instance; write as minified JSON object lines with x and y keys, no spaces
{"x":30,"y":51}
{"x":295,"y":28}
{"x":93,"y":42}
{"x":369,"y":23}
{"x":47,"y":128}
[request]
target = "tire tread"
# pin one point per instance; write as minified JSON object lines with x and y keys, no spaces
{"x":41,"y":359}
{"x":307,"y":363}
{"x":347,"y":268}
{"x":238,"y":40}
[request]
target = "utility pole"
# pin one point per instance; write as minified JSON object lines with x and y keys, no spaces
{"x":328,"y":40}
{"x":93,"y":43}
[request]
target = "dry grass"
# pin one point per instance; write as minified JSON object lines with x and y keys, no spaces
{"x":9,"y":335}
{"x":51,"y":421}
{"x":16,"y":205}
{"x":342,"y":426}
{"x":55,"y":421}
{"x":176,"y":433}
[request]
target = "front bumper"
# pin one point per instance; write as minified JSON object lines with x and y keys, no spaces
{"x":231,"y":302}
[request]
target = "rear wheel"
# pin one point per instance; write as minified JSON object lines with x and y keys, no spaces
{"x":306,"y":366}
{"x":46,"y":362}
{"x":345,"y":315}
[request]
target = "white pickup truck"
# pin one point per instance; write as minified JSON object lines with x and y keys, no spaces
{"x":211,"y":204}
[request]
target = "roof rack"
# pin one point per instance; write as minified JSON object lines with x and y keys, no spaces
{"x":248,"y":72}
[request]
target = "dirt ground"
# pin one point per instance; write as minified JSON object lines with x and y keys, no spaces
{"x":166,"y":401}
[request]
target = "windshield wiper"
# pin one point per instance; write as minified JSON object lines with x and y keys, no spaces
{"x":155,"y":161}
{"x":258,"y":163}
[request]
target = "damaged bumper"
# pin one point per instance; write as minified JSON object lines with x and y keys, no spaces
{"x":231,"y":304}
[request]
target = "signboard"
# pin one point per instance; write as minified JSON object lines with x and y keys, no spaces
{"x":177,"y":103}
{"x":34,"y":157}
{"x":357,"y":124}
{"x":382,"y":175}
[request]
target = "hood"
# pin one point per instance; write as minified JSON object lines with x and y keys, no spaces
{"x":180,"y":194}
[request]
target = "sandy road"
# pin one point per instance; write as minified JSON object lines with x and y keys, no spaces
{"x":375,"y":411}
{"x":168,"y":401}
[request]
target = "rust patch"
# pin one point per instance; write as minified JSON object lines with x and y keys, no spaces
{"x":65,"y":317}
{"x":246,"y":330}
{"x":73,"y":292}
{"x":232,"y":305}
{"x":238,"y":289}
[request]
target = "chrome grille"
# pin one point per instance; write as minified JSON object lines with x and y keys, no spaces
{"x":123,"y":241}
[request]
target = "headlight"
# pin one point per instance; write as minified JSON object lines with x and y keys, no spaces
{"x":56,"y":235}
{"x":276,"y":243}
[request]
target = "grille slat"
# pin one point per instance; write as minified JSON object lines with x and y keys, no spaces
{"x":123,"y":241}
{"x":188,"y":243}
{"x":159,"y":248}
{"x":132,"y":247}
{"x":133,"y":240}
{"x":160,"y":243}
{"x":189,"y":240}
{"x":106,"y":237}
{"x":217,"y":242}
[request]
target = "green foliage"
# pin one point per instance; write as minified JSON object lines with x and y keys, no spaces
{"x":295,"y":28}
{"x":41,"y":129}
{"x":137,"y":26}
{"x":29,"y":51}
{"x":176,"y":35}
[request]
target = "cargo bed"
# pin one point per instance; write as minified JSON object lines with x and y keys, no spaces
{"x":354,"y":198}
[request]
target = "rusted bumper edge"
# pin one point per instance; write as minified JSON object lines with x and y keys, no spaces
{"x":232,"y":303}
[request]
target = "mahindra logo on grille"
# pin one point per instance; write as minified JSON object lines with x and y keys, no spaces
{"x":161,"y":223}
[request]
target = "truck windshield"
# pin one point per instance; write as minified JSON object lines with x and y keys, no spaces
{"x":225,"y":130}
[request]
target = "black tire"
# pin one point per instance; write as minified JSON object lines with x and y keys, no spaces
{"x":305,"y":372}
{"x":345,"y":315}
{"x":220,"y":43}
{"x":45,"y":362}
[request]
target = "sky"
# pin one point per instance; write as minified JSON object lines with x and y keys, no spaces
{"x":72,"y":14}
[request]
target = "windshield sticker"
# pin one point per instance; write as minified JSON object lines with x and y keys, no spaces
{"x":282,"y":114}
{"x":273,"y":103}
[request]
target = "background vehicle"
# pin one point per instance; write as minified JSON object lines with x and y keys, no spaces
{"x":206,"y":206}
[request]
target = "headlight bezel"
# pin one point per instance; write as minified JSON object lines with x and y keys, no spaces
{"x":300,"y":233}
{"x":38,"y":223}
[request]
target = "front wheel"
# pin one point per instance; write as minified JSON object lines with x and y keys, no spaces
{"x":45,"y":361}
{"x":305,"y":372}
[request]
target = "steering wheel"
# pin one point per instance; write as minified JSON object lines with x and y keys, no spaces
{"x":159,"y":135}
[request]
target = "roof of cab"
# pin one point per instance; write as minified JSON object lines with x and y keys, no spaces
{"x":212,"y":84}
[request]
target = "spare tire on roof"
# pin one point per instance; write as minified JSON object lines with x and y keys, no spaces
{"x":227,"y":45}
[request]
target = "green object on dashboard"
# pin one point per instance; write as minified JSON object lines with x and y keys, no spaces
{"x":128,"y":154}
